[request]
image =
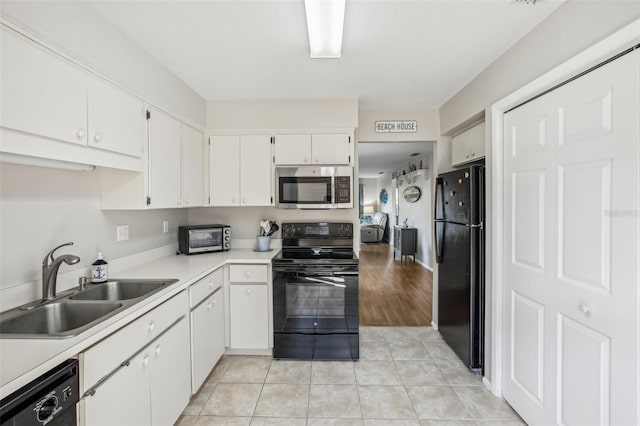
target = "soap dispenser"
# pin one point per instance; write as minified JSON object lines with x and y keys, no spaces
{"x":99,"y":270}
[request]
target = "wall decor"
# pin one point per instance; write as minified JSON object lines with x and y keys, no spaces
{"x":411,"y":194}
{"x":384,"y":196}
{"x":396,"y":126}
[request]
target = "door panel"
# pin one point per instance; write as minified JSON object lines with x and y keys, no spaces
{"x":582,"y":288}
{"x":585,"y":261}
{"x":528,"y":219}
{"x":527,"y":345}
{"x":583,"y":357}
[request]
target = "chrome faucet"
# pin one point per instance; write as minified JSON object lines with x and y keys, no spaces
{"x":50,"y":267}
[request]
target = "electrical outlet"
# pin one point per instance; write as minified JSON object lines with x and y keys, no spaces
{"x":122,"y":233}
{"x":165,"y":226}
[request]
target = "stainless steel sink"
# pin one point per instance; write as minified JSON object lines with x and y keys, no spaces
{"x":122,"y":289}
{"x":71,"y":314}
{"x":56,"y":319}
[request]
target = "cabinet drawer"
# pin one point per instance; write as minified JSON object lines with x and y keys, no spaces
{"x":106,"y":355}
{"x":248,"y":273}
{"x":205,"y":286}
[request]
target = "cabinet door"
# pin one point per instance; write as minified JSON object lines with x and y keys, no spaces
{"x":255,"y":170}
{"x":124,"y":399}
{"x":249,"y":316}
{"x":42,"y":94}
{"x":192,"y":167}
{"x":116,"y":119}
{"x":207,"y":337}
{"x":224,"y":170}
{"x":331,"y":149}
{"x":292,"y":150}
{"x":170,"y":378}
{"x":164,"y":160}
{"x":468,"y":146}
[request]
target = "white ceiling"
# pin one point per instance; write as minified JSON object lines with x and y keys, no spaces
{"x":375,"y":157}
{"x":396,"y":54}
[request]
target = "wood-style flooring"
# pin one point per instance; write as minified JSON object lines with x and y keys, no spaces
{"x":393,"y":293}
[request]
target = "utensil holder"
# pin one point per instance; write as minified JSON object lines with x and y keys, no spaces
{"x":264,"y":243}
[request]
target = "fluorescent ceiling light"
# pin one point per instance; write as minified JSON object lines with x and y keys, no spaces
{"x":26,"y":160}
{"x":325,"y":21}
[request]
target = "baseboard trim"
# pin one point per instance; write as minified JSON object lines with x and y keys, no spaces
{"x":487,"y":383}
{"x":434,"y":325}
{"x":424,"y":265}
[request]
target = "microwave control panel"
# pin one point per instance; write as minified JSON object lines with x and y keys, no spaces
{"x":343,"y":189}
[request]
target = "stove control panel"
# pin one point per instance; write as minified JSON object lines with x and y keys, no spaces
{"x":317,"y":230}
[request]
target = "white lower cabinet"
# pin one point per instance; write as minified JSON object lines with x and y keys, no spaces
{"x":140,"y":374}
{"x":249,"y":316}
{"x":207,"y":337}
{"x":169,"y":374}
{"x":124,"y":399}
{"x":248,"y":306}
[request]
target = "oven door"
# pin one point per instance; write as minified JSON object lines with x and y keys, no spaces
{"x":315,"y":302}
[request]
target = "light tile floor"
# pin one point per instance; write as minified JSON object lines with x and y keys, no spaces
{"x":405,"y":376}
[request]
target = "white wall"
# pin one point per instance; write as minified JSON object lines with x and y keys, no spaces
{"x":282,"y":114}
{"x":41,"y":208}
{"x":573,"y":27}
{"x":370,"y":191}
{"x":419,"y":214}
{"x":428,"y":125}
{"x":77,"y":29}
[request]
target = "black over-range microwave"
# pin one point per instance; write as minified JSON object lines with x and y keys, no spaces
{"x":194,"y":239}
{"x":314,"y":187}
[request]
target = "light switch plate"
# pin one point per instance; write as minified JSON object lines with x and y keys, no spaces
{"x":122,"y":233}
{"x":165,"y":226}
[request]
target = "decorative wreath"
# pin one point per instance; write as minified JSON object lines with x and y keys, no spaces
{"x":384,"y":196}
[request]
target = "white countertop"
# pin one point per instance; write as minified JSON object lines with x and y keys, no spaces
{"x":22,"y":360}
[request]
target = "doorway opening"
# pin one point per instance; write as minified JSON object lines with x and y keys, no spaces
{"x":396,"y":193}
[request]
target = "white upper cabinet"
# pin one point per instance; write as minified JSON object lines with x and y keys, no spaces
{"x":468,"y":146}
{"x":292,"y":150}
{"x":224,"y":170}
{"x":42,"y":94}
{"x":116,"y":119}
{"x":240,"y":170}
{"x":176,"y":171}
{"x":46,"y":96}
{"x":310,"y":149}
{"x":331,"y":149}
{"x":192,"y":165}
{"x":164,"y":161}
{"x":255,"y":170}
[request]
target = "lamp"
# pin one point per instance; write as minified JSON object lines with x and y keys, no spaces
{"x":325,"y":21}
{"x":368,"y":210}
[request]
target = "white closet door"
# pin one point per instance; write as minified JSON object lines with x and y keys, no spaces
{"x":571,"y":238}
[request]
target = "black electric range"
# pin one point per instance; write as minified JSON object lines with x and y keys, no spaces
{"x":315,"y":292}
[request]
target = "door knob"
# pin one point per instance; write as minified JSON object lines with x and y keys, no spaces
{"x":583,"y":308}
{"x":97,"y":137}
{"x":80,"y":134}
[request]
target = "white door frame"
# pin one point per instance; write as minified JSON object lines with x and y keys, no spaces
{"x":626,"y":37}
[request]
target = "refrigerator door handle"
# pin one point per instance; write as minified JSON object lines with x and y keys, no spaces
{"x":439,"y":201}
{"x":439,"y":219}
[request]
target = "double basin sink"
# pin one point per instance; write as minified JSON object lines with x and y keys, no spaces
{"x":74,"y":313}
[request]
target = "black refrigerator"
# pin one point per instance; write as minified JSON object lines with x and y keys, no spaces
{"x":459,"y":243}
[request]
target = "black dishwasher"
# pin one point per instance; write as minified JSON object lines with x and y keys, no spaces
{"x":48,"y":400}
